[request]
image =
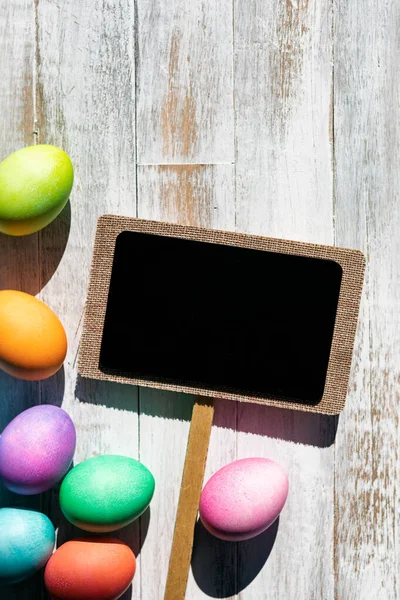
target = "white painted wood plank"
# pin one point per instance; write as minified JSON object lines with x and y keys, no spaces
{"x":18,"y":256}
{"x":283,"y":78}
{"x":86,"y":105}
{"x":85,"y":102}
{"x":185,"y":81}
{"x":188,"y":194}
{"x":367,"y":182}
{"x":201,"y":195}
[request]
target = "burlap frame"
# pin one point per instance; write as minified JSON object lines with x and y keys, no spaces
{"x":351,"y":261}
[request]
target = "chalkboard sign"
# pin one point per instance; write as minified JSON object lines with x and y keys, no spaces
{"x":217,"y":313}
{"x":218,"y":316}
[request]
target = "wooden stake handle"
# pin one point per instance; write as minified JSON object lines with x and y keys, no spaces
{"x":192,"y":482}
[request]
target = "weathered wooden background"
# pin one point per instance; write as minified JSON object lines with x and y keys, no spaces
{"x":278,"y":118}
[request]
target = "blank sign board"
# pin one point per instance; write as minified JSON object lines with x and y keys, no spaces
{"x":221,"y":314}
{"x":223,"y":317}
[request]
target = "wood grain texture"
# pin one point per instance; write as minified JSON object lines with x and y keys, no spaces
{"x":367,"y":155}
{"x":184,"y":102}
{"x":86,"y":85}
{"x":283,"y":79}
{"x":18,"y":256}
{"x":232,"y":117}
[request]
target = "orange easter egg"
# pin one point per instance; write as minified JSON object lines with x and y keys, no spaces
{"x":97,"y":568}
{"x":33,"y":343}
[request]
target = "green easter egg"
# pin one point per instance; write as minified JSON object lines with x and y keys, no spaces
{"x":35,"y":184}
{"x":106,"y":493}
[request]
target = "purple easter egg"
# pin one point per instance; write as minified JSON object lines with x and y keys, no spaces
{"x":36,"y":449}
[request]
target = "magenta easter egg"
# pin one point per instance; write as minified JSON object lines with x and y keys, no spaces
{"x":36,"y":449}
{"x":243,"y":499}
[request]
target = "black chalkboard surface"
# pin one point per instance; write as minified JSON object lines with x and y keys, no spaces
{"x":218,"y":316}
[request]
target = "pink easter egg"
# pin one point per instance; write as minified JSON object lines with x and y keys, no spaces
{"x":244,"y":498}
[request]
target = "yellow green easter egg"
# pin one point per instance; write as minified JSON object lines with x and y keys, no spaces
{"x":35,"y":184}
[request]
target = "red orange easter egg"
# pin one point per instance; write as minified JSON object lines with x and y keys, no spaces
{"x":97,"y":568}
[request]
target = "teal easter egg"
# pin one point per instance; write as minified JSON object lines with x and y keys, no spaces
{"x":106,"y":493}
{"x":27,"y":541}
{"x":35,"y":184}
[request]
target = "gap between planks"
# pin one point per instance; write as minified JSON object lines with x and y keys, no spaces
{"x":188,"y":164}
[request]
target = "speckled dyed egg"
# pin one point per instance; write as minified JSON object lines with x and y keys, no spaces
{"x":243,"y":498}
{"x":26,"y":543}
{"x":90,"y":569}
{"x":106,"y":493}
{"x":35,"y":184}
{"x":36,"y":449}
{"x":33,"y":343}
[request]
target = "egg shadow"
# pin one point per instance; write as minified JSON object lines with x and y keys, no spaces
{"x":128,"y":594}
{"x":52,"y":389}
{"x":50,"y":501}
{"x":222,"y":569}
{"x":133,"y":535}
{"x":30,"y":589}
{"x":53,"y":240}
{"x":28,"y":262}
